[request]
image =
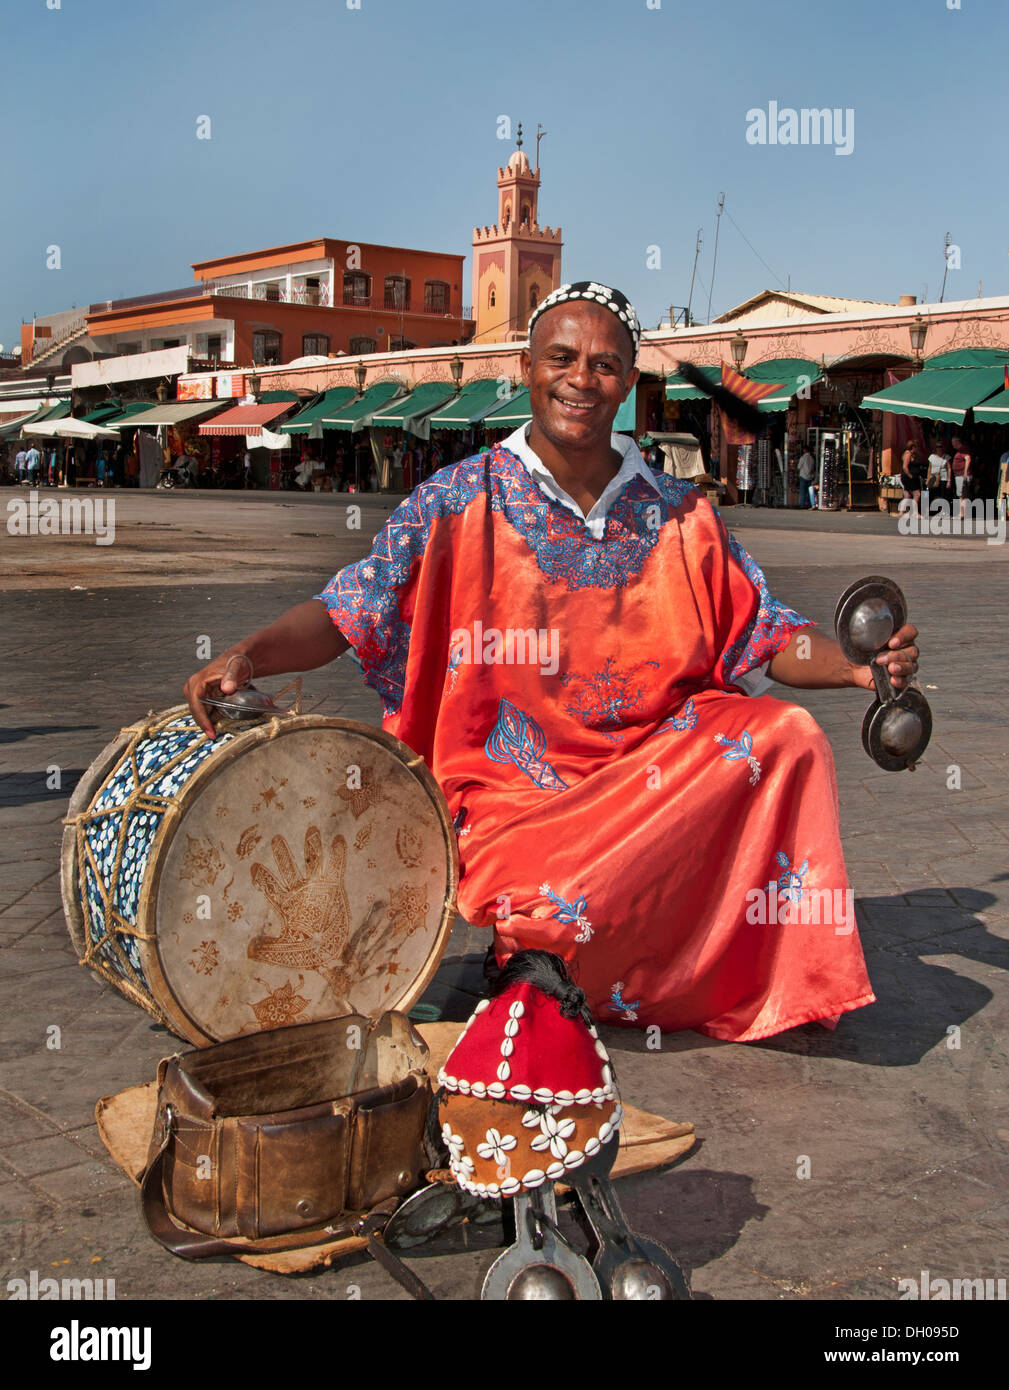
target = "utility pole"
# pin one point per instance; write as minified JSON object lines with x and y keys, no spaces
{"x":714,"y":263}
{"x":945,"y":265}
{"x":540,"y":132}
{"x":697,"y":252}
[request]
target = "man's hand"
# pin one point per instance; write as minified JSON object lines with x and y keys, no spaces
{"x":300,"y":640}
{"x":901,"y":661}
{"x":222,"y":676}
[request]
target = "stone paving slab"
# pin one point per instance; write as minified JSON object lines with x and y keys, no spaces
{"x":902,"y":1112}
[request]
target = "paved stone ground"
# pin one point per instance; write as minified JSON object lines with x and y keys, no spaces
{"x":902,"y":1112}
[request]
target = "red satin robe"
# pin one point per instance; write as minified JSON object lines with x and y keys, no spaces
{"x":617,"y":798}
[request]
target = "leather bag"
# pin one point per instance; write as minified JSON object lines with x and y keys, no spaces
{"x":286,"y":1138}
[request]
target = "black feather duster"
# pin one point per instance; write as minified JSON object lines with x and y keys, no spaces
{"x":741,"y":412}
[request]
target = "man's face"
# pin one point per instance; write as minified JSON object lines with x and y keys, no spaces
{"x":578,"y":369}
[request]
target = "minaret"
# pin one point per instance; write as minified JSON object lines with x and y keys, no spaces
{"x":516,"y":262}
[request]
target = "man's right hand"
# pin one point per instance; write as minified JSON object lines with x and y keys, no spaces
{"x":223,"y":676}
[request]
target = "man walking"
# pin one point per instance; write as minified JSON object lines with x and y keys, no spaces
{"x":33,"y":465}
{"x":807,"y":472}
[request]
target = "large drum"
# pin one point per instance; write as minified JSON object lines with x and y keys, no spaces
{"x":299,"y":869}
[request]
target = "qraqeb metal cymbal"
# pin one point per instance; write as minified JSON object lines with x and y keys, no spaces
{"x":898,"y":724}
{"x":867,"y":615}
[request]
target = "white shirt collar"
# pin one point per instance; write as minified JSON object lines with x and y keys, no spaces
{"x":633,"y":465}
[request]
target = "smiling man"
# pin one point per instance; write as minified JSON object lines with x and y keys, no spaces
{"x":634,"y":804}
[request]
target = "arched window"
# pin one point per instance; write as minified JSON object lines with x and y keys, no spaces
{"x":356,"y":288}
{"x":435,"y":297}
{"x":491,"y":297}
{"x":266,"y":348}
{"x":534,"y":296}
{"x":314,"y":344}
{"x":525,"y":212}
{"x":361,"y":345}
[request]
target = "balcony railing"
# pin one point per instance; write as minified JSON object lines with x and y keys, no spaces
{"x":389,"y":306}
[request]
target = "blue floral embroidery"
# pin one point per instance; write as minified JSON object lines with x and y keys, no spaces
{"x":363,"y":598}
{"x":739,"y":748}
{"x":605,"y":700}
{"x":770,"y":629}
{"x":570,"y":912}
{"x":687,"y":720}
{"x":458,"y":825}
{"x":617,"y":1004}
{"x":790,"y":882}
{"x":517,"y":738}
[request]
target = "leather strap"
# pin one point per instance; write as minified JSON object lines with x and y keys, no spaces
{"x":392,"y":1264}
{"x":193,"y":1245}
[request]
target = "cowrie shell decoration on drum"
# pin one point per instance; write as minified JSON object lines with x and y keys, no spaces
{"x":299,"y":869}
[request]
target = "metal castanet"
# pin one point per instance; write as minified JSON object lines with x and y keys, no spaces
{"x":898,"y":724}
{"x":541,"y":1264}
{"x":628,"y":1266}
{"x":299,"y":867}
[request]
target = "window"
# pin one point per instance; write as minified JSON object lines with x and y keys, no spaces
{"x":525,"y":212}
{"x":400,"y":344}
{"x":215,"y":344}
{"x":266,"y":348}
{"x":492,"y":297}
{"x":356,"y":287}
{"x":314,"y":344}
{"x":397,"y":292}
{"x":534,"y":296}
{"x":359,"y":345}
{"x":435,"y":297}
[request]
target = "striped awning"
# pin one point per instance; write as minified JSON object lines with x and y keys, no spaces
{"x":245,"y":419}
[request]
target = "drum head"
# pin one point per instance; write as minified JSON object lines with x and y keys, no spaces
{"x":868,"y":613}
{"x":897,"y":733}
{"x":310,"y":872}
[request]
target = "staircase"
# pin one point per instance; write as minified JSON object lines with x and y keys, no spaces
{"x":46,"y":349}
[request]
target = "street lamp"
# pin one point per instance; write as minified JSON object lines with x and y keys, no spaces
{"x":252,"y":384}
{"x":738,"y":346}
{"x":455,"y":367}
{"x":360,"y":373}
{"x":161,"y":393}
{"x":918,"y":331}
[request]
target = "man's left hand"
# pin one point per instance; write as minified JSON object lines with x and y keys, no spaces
{"x":901,"y":660}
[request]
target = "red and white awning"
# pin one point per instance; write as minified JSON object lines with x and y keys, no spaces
{"x":246,"y":419}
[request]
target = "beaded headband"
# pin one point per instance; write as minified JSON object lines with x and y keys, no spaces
{"x":598,"y":294}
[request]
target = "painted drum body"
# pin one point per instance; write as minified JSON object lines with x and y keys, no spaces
{"x":299,"y":869}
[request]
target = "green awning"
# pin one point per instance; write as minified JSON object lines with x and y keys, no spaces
{"x":626,"y":417}
{"x":677,"y":389}
{"x":56,"y":412}
{"x":995,"y":410}
{"x":968,"y":357}
{"x":273,"y":397}
{"x":401,"y":413}
{"x":939,"y":393}
{"x":476,"y":400}
{"x":101,"y":413}
{"x":13,"y":426}
{"x":355,"y":414}
{"x":512,"y":413}
{"x":328,"y":404}
{"x":791,"y":374}
{"x":139,"y":413}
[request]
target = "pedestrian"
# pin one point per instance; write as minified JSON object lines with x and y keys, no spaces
{"x":247,"y":470}
{"x":962,"y":469}
{"x":938,"y":481}
{"x":910,"y":473}
{"x":33,"y":465}
{"x":21,"y":466}
{"x":807,"y":472}
{"x":544,"y":760}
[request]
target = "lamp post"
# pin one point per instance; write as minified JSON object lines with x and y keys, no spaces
{"x":360,"y":373}
{"x":918,"y":331}
{"x":455,"y":367}
{"x":738,"y":346}
{"x":252,"y":384}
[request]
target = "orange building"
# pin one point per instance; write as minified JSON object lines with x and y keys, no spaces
{"x":308,"y":299}
{"x":516,"y":262}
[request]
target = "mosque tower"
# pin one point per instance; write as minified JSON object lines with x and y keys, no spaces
{"x":516,"y":262}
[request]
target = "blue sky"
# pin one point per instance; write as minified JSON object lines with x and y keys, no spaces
{"x":380,"y":124}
